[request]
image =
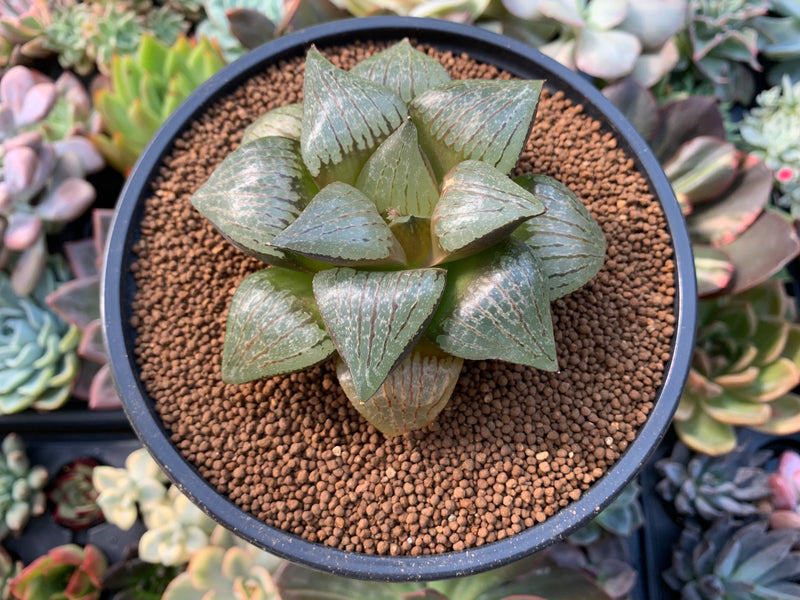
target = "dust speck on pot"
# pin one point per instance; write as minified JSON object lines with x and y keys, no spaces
{"x":514,"y":445}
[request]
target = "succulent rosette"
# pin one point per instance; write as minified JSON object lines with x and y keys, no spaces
{"x":384,"y":206}
{"x":67,"y":572}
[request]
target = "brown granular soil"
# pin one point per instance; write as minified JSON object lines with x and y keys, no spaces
{"x":513,"y":446}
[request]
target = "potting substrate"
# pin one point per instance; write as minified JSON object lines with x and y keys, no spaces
{"x":514,"y":445}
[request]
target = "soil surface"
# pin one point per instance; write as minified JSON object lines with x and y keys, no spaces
{"x":513,"y":446}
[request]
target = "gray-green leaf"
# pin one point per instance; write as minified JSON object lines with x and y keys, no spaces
{"x":257,"y":191}
{"x":284,"y":121}
{"x":273,"y":327}
{"x":403,"y":69}
{"x":341,"y":226}
{"x":345,"y":118}
{"x":478,"y":207}
{"x":478,"y":119}
{"x":397,"y":176}
{"x":413,"y":394}
{"x":497,"y":306}
{"x":566,"y":238}
{"x":375,"y":317}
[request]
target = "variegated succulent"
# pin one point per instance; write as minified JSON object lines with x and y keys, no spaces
{"x":145,"y":88}
{"x":738,"y":240}
{"x":785,"y":487}
{"x":67,"y":572}
{"x":734,"y":561}
{"x":73,"y":496}
{"x":708,"y":487}
{"x":44,"y":158}
{"x":21,"y":485}
{"x":746,"y":362}
{"x":383,"y":203}
{"x":230,"y":22}
{"x":606,"y":39}
{"x":23,"y":25}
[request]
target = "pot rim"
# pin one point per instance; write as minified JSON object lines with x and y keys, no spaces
{"x":118,"y":290}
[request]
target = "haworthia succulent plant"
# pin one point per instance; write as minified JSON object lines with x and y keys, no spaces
{"x":384,"y":207}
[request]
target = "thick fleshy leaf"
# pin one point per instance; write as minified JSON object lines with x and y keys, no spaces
{"x":702,"y":169}
{"x":475,"y":119}
{"x":345,"y":118}
{"x":762,"y":250}
{"x":684,"y":120}
{"x":704,"y":434}
{"x":23,"y":230}
{"x":497,"y":306}
{"x":655,"y":22}
{"x":250,"y":26}
{"x":412,"y":395}
{"x":479,"y":206}
{"x":736,"y":409}
{"x":606,"y":14}
{"x":713,"y":268}
{"x":38,"y":102}
{"x":284,"y":121}
{"x":397,"y":176}
{"x":771,"y":336}
{"x":774,"y":380}
{"x":785,"y":417}
{"x":651,"y":67}
{"x":637,"y":103}
{"x":14,"y":85}
{"x":257,"y":191}
{"x":606,"y":54}
{"x":102,"y":392}
{"x":20,"y":164}
{"x":721,"y":221}
{"x":341,"y":226}
{"x":67,"y":202}
{"x":566,"y":238}
{"x":375,"y":317}
{"x":78,"y":301}
{"x":301,"y":583}
{"x":273,"y":327}
{"x":403,"y":69}
{"x":414,"y":235}
{"x":91,"y":159}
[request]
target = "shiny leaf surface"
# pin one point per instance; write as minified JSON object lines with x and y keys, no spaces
{"x":284,"y":121}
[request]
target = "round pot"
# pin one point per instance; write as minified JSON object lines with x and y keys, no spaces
{"x":119,"y":289}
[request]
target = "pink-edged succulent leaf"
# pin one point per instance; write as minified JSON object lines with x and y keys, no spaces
{"x":637,"y":103}
{"x":29,"y":268}
{"x":736,"y":409}
{"x":784,"y":519}
{"x":74,"y":92}
{"x":683,"y":120}
{"x":77,"y":301}
{"x":82,"y":258}
{"x":101,"y":227}
{"x":20,"y":164}
{"x":103,"y":392}
{"x":92,"y":347}
{"x":762,"y":250}
{"x":69,"y":200}
{"x":14,"y":86}
{"x":702,"y":433}
{"x":91,"y":159}
{"x":23,"y":230}
{"x":38,"y":103}
{"x":771,"y":335}
{"x":785,"y":418}
{"x":412,"y":395}
{"x":720,"y":222}
{"x":702,"y":169}
{"x":714,"y":270}
{"x":250,"y":26}
{"x":606,"y":54}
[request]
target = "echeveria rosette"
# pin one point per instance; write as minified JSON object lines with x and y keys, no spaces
{"x":383,"y":203}
{"x":67,"y":572}
{"x":74,"y":497}
{"x":746,"y":362}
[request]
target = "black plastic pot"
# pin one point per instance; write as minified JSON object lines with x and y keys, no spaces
{"x":119,"y":288}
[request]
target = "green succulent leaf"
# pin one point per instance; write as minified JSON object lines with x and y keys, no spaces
{"x":566,"y":238}
{"x":770,"y":338}
{"x":703,"y":433}
{"x":284,"y":121}
{"x":403,"y":69}
{"x":375,"y":317}
{"x":397,"y":176}
{"x":412,"y":395}
{"x":255,"y":193}
{"x":497,"y":306}
{"x":345,"y":118}
{"x":478,"y":206}
{"x":785,"y":417}
{"x":273,"y":327}
{"x":774,"y":380}
{"x":713,"y":268}
{"x":341,"y":226}
{"x":702,"y":169}
{"x":736,"y":409}
{"x":300,"y":583}
{"x":475,"y":119}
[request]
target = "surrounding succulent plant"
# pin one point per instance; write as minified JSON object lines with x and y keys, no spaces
{"x":43,"y":160}
{"x":66,"y":572}
{"x":73,"y":495}
{"x":737,"y":562}
{"x":746,"y":362}
{"x":145,"y":88}
{"x":86,"y":35}
{"x":779,"y":45}
{"x":121,"y":492}
{"x":23,"y":24}
{"x":606,"y":561}
{"x":38,"y":351}
{"x":606,"y":39}
{"x":423,"y":202}
{"x":216,"y":573}
{"x":712,"y":487}
{"x":737,"y":240}
{"x":9,"y":568}
{"x":223,"y":16}
{"x":21,"y":495}
{"x":785,"y":487}
{"x":771,"y":131}
{"x":620,"y":518}
{"x":134,"y":579}
{"x":77,"y":302}
{"x":176,"y":529}
{"x":464,"y":11}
